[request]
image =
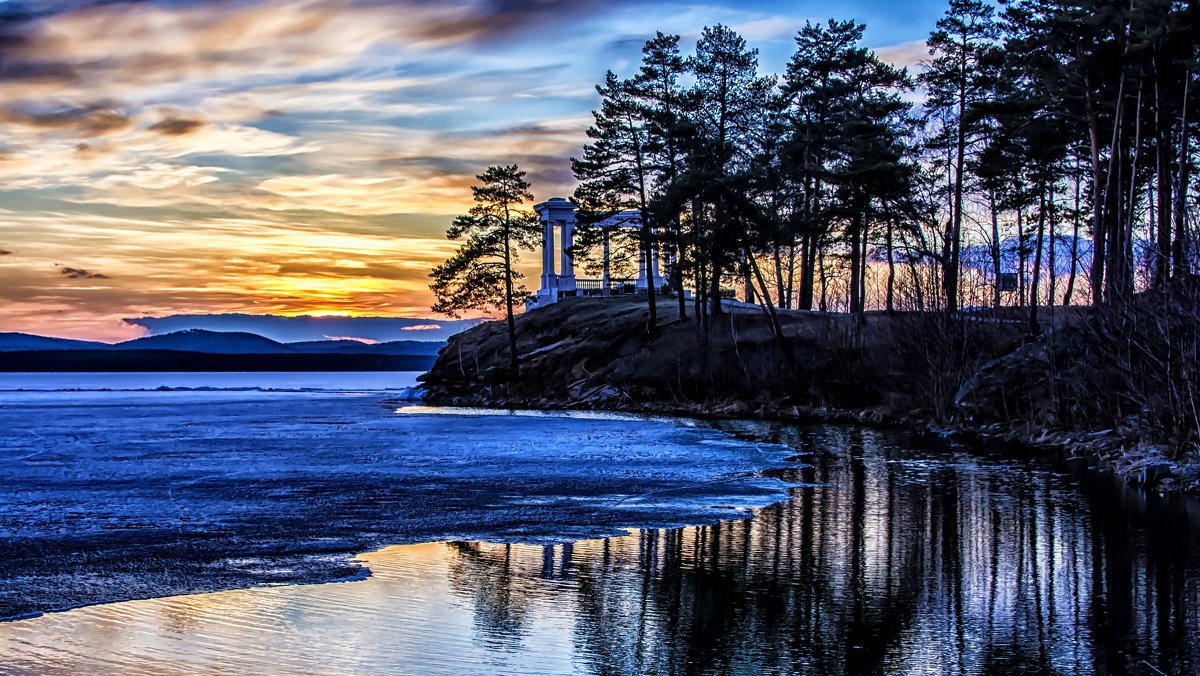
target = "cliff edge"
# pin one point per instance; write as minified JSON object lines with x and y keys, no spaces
{"x":1115,"y":387}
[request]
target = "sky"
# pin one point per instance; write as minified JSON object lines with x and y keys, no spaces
{"x":305,"y":157}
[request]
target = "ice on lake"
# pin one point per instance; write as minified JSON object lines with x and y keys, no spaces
{"x":143,"y":485}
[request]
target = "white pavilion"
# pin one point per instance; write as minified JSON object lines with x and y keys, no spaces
{"x":561,"y":283}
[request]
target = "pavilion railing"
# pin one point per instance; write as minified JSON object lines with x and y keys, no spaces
{"x":616,"y":287}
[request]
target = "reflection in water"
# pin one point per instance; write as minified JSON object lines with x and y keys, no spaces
{"x":889,"y":561}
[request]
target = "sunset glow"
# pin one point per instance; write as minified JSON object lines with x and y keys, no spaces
{"x":299,"y":157}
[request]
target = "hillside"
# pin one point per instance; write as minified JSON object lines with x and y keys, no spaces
{"x":203,"y":350}
{"x":211,"y":342}
{"x":595,"y":354}
{"x":1094,"y":383}
{"x":24,"y":341}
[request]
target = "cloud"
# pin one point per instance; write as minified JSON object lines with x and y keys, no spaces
{"x":135,"y":44}
{"x":176,"y":126}
{"x":306,"y":327}
{"x":768,"y":28}
{"x":185,"y":262}
{"x":91,"y":120}
{"x":376,"y":95}
{"x":5,"y":252}
{"x":80,"y":273}
{"x":129,"y":159}
{"x":493,"y":20}
{"x":366,"y":195}
{"x":909,"y":54}
{"x":357,"y":339}
{"x":157,"y":176}
{"x":223,"y":139}
{"x":379,"y":269}
{"x":285,"y":156}
{"x":143,"y":43}
{"x":425,"y":172}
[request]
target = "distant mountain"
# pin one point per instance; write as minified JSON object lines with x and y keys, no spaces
{"x":201,"y":350}
{"x":210,"y":342}
{"x":177,"y":360}
{"x":308,"y":329}
{"x":14,"y":342}
{"x":357,"y":347}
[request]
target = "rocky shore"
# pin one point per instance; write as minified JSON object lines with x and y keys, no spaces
{"x":981,"y":380}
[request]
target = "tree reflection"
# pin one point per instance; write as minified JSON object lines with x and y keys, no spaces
{"x":886,"y":560}
{"x":485,"y":576}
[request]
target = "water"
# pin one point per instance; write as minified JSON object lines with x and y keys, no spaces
{"x":116,"y":494}
{"x":340,"y":381}
{"x":885,"y":556}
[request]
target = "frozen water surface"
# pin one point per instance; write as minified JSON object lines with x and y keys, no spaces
{"x":887,"y":558}
{"x":143,"y":485}
{"x":367,"y":381}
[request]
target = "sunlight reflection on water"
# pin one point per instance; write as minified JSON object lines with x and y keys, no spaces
{"x":942,"y":564}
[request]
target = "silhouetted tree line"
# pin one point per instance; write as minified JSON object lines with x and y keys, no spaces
{"x":1044,"y":155}
{"x":1048,"y":131}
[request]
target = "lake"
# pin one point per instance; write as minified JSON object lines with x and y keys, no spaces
{"x":550,"y":543}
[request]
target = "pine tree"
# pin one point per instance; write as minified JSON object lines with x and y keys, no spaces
{"x":730,"y":101}
{"x":481,"y":274}
{"x":872,"y":173}
{"x":958,"y":43}
{"x":817,"y":89}
{"x":664,"y":104}
{"x":615,"y":172}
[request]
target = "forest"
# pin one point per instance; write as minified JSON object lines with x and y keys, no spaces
{"x":1042,"y":155}
{"x":1004,"y":239}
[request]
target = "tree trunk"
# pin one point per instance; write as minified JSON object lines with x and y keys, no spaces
{"x":953,"y":266}
{"x":855,"y":264}
{"x":824,"y":280}
{"x":808,"y":270}
{"x":1179,"y":250}
{"x":862,"y":269}
{"x":1099,"y":236}
{"x":891,"y":278}
{"x":651,"y":284}
{"x":717,"y":256}
{"x":677,"y":270}
{"x":1022,"y":257}
{"x":996,"y":268}
{"x":749,"y":283}
{"x":1114,"y":268}
{"x":791,"y":275}
{"x":715,"y":284}
{"x":1162,"y":170}
{"x":1074,"y":246}
{"x":698,"y":268}
{"x":918,"y":290}
{"x":1050,"y":221}
{"x":780,"y":291}
{"x":508,"y":305}
{"x":776,"y":328}
{"x":1034,"y":327}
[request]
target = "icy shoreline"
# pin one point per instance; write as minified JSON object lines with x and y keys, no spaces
{"x":124,"y":495}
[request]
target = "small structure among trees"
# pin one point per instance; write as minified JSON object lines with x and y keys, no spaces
{"x":561,"y":282}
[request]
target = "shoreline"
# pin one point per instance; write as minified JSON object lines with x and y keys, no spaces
{"x":293,"y":487}
{"x":353,"y":559}
{"x":861,"y":491}
{"x":982,"y":384}
{"x":1096,"y":447}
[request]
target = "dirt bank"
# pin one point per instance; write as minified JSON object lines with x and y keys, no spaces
{"x":979,"y":377}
